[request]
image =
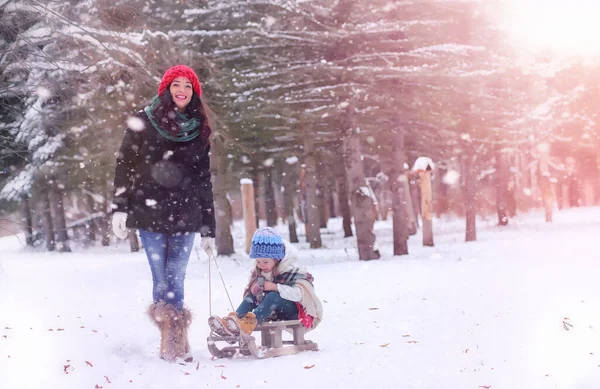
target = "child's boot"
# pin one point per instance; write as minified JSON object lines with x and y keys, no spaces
{"x":219,"y":326}
{"x":248,"y":323}
{"x":232,"y":323}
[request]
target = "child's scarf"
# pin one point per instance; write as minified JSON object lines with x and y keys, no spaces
{"x":287,"y":278}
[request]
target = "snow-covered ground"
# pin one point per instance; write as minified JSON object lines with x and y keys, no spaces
{"x":519,"y":308}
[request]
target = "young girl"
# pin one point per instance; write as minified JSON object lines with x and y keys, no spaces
{"x":277,"y":290}
{"x":163,"y":188}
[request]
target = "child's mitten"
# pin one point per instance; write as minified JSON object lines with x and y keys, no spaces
{"x":256,"y":289}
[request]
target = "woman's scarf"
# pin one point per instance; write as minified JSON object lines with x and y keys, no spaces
{"x":188,"y":128}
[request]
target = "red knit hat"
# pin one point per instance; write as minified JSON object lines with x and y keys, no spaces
{"x":179,"y":71}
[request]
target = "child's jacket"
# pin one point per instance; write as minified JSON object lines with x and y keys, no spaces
{"x":294,"y":284}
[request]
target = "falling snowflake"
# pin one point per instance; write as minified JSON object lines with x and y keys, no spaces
{"x":135,"y":124}
{"x":451,"y":177}
{"x":43,"y":93}
{"x":269,"y":21}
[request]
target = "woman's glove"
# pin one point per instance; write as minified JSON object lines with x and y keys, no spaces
{"x":207,"y":243}
{"x":119,"y":220}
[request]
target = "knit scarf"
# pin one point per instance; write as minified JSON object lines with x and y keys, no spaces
{"x":287,"y":278}
{"x":188,"y":128}
{"x":290,"y":277}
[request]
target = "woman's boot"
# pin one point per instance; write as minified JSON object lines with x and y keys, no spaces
{"x":173,"y":325}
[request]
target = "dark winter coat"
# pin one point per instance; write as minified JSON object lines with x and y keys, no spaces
{"x":164,"y":185}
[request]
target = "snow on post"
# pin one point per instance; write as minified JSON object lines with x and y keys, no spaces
{"x":423,"y":164}
{"x":249,"y":210}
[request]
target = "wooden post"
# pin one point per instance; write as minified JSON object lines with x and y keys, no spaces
{"x":426,"y":207}
{"x":249,"y":210}
{"x":424,"y":166}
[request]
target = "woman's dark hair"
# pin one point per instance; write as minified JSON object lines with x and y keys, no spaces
{"x":165,"y":116}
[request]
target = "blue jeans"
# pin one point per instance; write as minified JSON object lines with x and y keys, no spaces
{"x":168,"y":257}
{"x":271,"y":303}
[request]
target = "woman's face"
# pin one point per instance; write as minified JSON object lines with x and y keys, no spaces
{"x":181,"y":90}
{"x":266,"y":264}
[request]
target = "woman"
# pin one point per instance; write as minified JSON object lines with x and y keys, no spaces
{"x":163,"y":188}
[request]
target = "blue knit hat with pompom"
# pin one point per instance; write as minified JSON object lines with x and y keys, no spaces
{"x":267,"y":243}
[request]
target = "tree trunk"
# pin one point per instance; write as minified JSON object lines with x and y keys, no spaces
{"x":223,"y":238}
{"x":342,"y":190}
{"x":269,"y":193}
{"x":301,"y":194}
{"x":398,"y":194}
{"x":134,"y":243}
{"x":331,"y":199}
{"x":47,"y":221}
{"x":27,"y":220}
{"x":441,"y":190}
{"x":501,"y":189}
{"x":289,"y":189}
{"x":248,"y":212}
{"x":91,"y":229}
{"x":256,"y":183}
{"x":60,"y":224}
{"x":415,"y":195}
{"x":470,"y":199}
{"x":382,"y":204}
{"x":104,"y":223}
{"x":313,"y":216}
{"x":277,"y":177}
{"x":411,"y":216}
{"x":362,"y":203}
{"x":546,"y":188}
{"x":544,"y":180}
{"x":321,"y":195}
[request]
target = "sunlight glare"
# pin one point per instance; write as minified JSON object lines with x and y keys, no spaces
{"x":569,"y":27}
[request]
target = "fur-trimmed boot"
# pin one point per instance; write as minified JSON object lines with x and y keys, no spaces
{"x":248,"y":323}
{"x":173,"y":325}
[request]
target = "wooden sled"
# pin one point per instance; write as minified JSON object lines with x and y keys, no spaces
{"x":272,"y":344}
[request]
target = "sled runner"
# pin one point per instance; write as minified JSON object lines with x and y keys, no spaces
{"x":272,"y":343}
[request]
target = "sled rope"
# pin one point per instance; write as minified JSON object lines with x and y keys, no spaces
{"x":211,"y":256}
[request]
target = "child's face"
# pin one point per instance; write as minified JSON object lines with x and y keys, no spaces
{"x":266,"y":264}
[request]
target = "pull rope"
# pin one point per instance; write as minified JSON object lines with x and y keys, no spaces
{"x":211,"y":256}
